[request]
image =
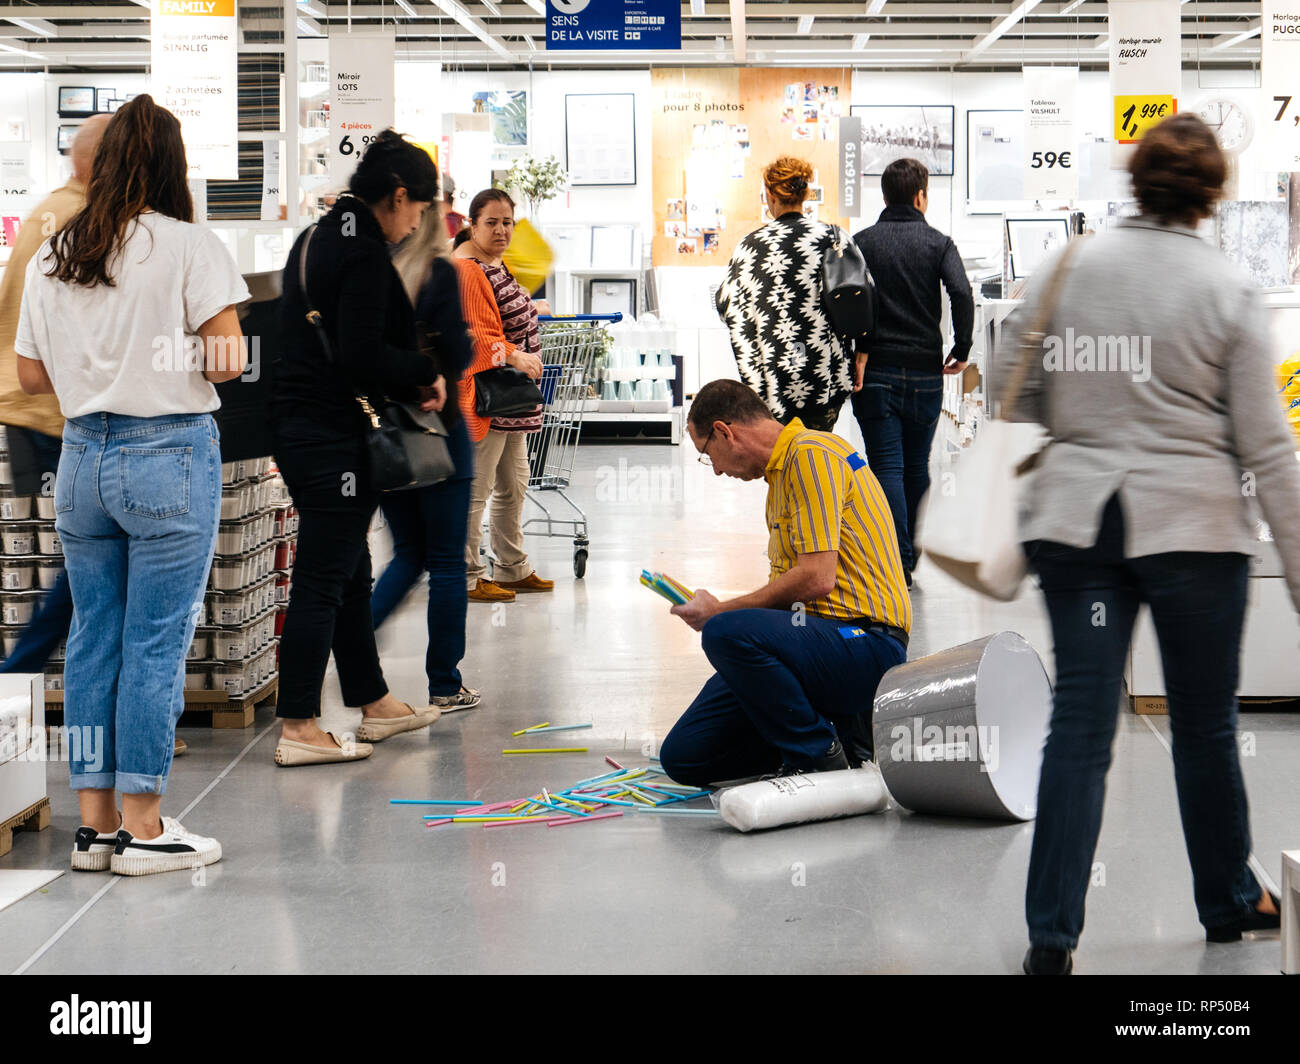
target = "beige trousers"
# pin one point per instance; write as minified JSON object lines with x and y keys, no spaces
{"x":500,"y":471}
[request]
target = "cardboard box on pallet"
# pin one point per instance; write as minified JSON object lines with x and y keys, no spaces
{"x":22,"y":760}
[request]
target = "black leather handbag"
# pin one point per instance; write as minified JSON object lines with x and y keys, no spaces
{"x":848,"y":293}
{"x":406,"y":445}
{"x":505,"y":392}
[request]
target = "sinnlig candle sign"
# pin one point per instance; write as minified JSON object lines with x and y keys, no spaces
{"x":193,"y":46}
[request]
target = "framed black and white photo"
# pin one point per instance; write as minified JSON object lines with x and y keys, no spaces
{"x":76,"y":101}
{"x":103,"y":100}
{"x":906,"y":131}
{"x":600,"y":138}
{"x":66,"y":133}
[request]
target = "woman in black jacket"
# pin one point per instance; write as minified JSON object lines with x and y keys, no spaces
{"x":321,"y":447}
{"x":429,"y":526}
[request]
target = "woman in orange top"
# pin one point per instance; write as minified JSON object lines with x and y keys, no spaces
{"x":502,"y":324}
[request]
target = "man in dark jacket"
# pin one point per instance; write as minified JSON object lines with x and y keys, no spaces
{"x":898,"y":405}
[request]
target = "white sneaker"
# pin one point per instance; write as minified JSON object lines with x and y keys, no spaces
{"x":174,"y":849}
{"x":91,"y":851}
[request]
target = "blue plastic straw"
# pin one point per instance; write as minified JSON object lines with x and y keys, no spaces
{"x":559,"y":727}
{"x":677,"y":812}
{"x":561,"y":809}
{"x":606,"y":801}
{"x":434,"y":801}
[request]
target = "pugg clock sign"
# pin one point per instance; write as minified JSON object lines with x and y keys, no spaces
{"x":616,"y":24}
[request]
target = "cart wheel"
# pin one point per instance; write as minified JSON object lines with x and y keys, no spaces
{"x":579,"y":563}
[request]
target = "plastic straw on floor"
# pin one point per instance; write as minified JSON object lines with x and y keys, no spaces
{"x":553,"y":750}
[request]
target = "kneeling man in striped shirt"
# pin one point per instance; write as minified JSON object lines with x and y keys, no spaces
{"x":798,"y":661}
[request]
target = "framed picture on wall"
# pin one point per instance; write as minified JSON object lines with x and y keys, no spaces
{"x":66,"y":133}
{"x":915,"y":131}
{"x":508,"y":113}
{"x":76,"y":101}
{"x":600,"y":138}
{"x":104,"y":97}
{"x":995,"y":175}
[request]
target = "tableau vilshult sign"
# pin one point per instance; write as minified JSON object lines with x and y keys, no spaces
{"x":616,"y":24}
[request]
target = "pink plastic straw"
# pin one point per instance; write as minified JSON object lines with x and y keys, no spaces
{"x":436,"y":823}
{"x":581,"y":819}
{"x":611,"y":761}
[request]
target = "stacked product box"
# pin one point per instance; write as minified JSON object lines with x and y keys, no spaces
{"x":31,"y":556}
{"x":235,"y":647}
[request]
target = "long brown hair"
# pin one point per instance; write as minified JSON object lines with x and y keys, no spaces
{"x":140,"y":165}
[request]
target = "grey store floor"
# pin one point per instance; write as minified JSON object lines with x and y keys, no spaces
{"x":322,"y":874}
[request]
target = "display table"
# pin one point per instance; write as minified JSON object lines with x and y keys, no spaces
{"x":1270,"y":644}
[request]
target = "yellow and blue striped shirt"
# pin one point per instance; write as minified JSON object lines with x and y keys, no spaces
{"x":821,"y":496}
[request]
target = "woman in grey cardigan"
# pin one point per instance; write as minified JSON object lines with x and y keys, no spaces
{"x":1156,"y":385}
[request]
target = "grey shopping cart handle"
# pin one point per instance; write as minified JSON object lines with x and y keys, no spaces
{"x":612,"y":318}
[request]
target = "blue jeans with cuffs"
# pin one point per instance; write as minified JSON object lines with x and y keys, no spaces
{"x":137,"y":501}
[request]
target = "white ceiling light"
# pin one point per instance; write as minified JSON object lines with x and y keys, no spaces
{"x":805,"y":23}
{"x":22,"y":50}
{"x":1017,"y":13}
{"x":493,"y":10}
{"x":1228,"y":40}
{"x":309,"y":27}
{"x":1076,"y":3}
{"x":697,"y":7}
{"x":37,"y":26}
{"x":469,"y":22}
{"x":875,"y":6}
{"x":310,"y":7}
{"x":860,"y":41}
{"x":410,"y":11}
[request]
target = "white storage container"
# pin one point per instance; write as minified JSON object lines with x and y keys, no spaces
{"x":18,"y":539}
{"x":228,"y":575}
{"x":50,"y":542}
{"x":197,"y":677}
{"x":199,"y":647}
{"x":45,"y":507}
{"x":6,"y":469}
{"x":14,"y":507}
{"x":230,"y":644}
{"x":53,"y":680}
{"x":17,"y":610}
{"x":17,"y":574}
{"x":47,"y":573}
{"x":234,"y":502}
{"x":230,"y":472}
{"x":10,"y":637}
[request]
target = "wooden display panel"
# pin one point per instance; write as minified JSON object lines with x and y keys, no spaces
{"x":755,"y":98}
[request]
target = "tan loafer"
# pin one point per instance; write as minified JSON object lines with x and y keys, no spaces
{"x":377,"y":729}
{"x":289,"y":753}
{"x":179,"y":747}
{"x":487,"y":591}
{"x":531,"y":582}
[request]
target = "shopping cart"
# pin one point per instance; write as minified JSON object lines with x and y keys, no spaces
{"x":569,"y":346}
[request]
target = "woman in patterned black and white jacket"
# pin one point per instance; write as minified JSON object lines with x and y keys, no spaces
{"x":786,"y":348}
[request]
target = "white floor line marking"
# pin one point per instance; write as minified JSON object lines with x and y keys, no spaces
{"x":1260,"y":871}
{"x":114,"y":880}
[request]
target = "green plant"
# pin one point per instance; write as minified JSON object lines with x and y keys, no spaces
{"x":537,"y":180}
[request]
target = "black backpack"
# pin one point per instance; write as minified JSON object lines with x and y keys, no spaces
{"x":848,"y":293}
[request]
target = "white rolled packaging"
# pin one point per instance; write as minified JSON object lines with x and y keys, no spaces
{"x":787,"y":800}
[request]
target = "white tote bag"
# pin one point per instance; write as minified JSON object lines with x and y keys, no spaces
{"x":971,"y":523}
{"x":971,"y":516}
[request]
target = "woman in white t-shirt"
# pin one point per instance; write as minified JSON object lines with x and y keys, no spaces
{"x":128,"y":316}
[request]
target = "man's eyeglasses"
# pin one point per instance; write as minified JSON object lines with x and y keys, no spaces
{"x":704,"y":458}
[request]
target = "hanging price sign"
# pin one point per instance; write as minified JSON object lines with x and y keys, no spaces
{"x":1278,"y":111}
{"x":361,"y":97}
{"x":1050,"y":138}
{"x":1134,"y":115}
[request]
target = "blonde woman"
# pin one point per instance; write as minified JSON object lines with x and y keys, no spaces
{"x":429,"y":526}
{"x":786,"y":348}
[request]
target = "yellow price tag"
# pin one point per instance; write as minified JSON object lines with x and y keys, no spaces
{"x":1134,"y":115}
